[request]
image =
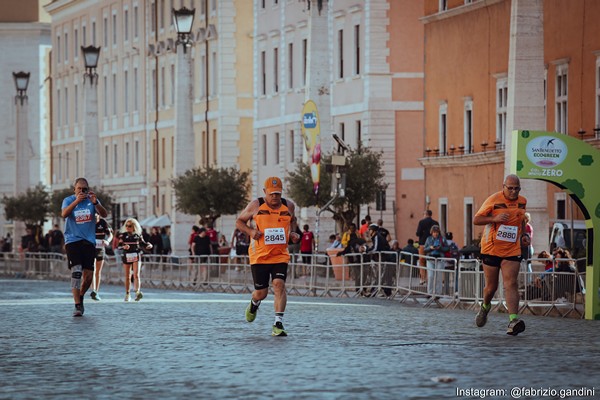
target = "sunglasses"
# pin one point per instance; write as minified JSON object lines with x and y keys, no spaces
{"x":513,"y":188}
{"x":128,"y":226}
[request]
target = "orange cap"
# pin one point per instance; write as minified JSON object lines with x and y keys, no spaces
{"x":273,"y":185}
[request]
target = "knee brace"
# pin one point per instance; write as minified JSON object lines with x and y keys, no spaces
{"x":76,"y":273}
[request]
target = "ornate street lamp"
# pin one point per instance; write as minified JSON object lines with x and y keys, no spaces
{"x":21,"y":82}
{"x":90,"y":59}
{"x":184,"y":20}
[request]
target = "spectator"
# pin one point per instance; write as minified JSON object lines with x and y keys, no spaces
{"x":423,"y":232}
{"x":414,"y":252}
{"x":380,"y":244}
{"x":364,"y":227}
{"x":166,"y":241}
{"x":56,"y":241}
{"x":7,"y":245}
{"x":335,"y":241}
{"x":435,"y":246}
{"x":213,"y":235}
{"x":307,"y":243}
{"x":240,"y":241}
{"x":156,"y":240}
{"x":202,"y":251}
{"x":382,"y":231}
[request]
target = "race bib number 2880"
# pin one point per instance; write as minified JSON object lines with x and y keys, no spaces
{"x":275,"y":236}
{"x":507,"y":233}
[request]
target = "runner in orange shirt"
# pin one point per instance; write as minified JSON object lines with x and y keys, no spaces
{"x":274,"y":223}
{"x":503,"y":215}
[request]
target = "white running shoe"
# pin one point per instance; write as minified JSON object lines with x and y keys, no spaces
{"x":127,"y":297}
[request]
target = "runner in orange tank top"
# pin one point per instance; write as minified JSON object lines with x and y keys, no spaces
{"x":503,"y":215}
{"x":274,"y":224}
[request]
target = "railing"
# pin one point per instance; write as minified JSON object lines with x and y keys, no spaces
{"x":386,"y":274}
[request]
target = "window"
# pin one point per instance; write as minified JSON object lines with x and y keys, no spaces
{"x":276,"y":70}
{"x":161,"y":13}
{"x":152,"y":17}
{"x":442,"y":135}
{"x":126,"y":90}
{"x":501,"y":111}
{"x":94,"y":33}
{"x":291,"y":66}
{"x":77,"y":160}
{"x":561,"y":209}
{"x":358,"y":134}
{"x":153,"y":88}
{"x":58,"y":111}
{"x":215,"y":75}
{"x":162,"y":86}
{"x":76,"y":44}
{"x":277,"y":159}
{"x":561,"y":94}
{"x":66,"y":47}
{"x":76,"y":101}
{"x":154,"y":154}
{"x":67,"y":106}
{"x":105,"y":105}
{"x":263,"y":142}
{"x":444,"y":214}
{"x":114,"y":29}
{"x":127,"y":156}
{"x":135,"y":89}
{"x":114,"y":94}
{"x":83,"y":37}
{"x":60,"y":166}
{"x":203,"y":76}
{"x":341,"y":53}
{"x":443,"y":5}
{"x":263,"y":73}
{"x":67,"y":166}
{"x":205,"y":149}
{"x":135,"y":22}
{"x":105,"y":34}
{"x":136,"y":156}
{"x":163,"y":153}
{"x":106,"y":159}
{"x":58,"y":49}
{"x":291,"y":147}
{"x":115,"y":159}
{"x":214,"y":146}
{"x":468,"y":204}
{"x":304,"y":60}
{"x":468,"y":128}
{"x":126,"y":25}
{"x":342,"y":131}
{"x":356,"y":49}
{"x":172,"y":84}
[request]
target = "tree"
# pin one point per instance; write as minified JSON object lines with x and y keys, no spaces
{"x":58,"y":196}
{"x":31,"y":207}
{"x":364,"y":179}
{"x":211,"y":192}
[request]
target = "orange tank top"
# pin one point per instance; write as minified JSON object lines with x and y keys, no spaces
{"x":272,"y":247}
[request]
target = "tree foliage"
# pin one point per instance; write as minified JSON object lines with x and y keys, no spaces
{"x":57,"y":197}
{"x":212,"y":192}
{"x":364,"y":179}
{"x":31,"y":207}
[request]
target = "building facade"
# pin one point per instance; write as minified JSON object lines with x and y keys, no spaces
{"x":493,"y":67}
{"x":25,"y":45}
{"x":362,"y":64}
{"x":136,"y":91}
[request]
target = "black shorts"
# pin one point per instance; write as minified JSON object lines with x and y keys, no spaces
{"x":495,"y":261}
{"x":100,"y":254}
{"x":130,"y":261}
{"x":81,"y":253}
{"x":306,"y":257}
{"x":241,"y":250}
{"x":262,"y":272}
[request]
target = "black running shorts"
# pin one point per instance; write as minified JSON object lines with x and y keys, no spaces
{"x":261,"y":273}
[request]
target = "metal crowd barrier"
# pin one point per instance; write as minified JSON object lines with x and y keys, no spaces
{"x":452,"y":283}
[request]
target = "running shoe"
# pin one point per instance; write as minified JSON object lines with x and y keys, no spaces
{"x":138,"y":295}
{"x":278,"y":329}
{"x":81,"y":304}
{"x":95,"y":296}
{"x":251,"y":311}
{"x":481,"y":318}
{"x":127,"y":297}
{"x":78,"y":312}
{"x":515,"y":327}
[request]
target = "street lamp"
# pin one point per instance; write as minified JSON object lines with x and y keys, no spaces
{"x":184,"y":122}
{"x":91,"y":163}
{"x":184,"y":20}
{"x":21,"y":82}
{"x":90,"y":59}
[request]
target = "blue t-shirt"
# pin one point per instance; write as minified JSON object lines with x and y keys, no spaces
{"x":81,"y":223}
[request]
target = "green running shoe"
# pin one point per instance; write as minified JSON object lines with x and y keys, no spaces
{"x":138,"y":295}
{"x":481,"y":318}
{"x":278,"y":330}
{"x":515,"y":327}
{"x":251,"y":311}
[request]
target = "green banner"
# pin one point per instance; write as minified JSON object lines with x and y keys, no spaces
{"x":574,"y":166}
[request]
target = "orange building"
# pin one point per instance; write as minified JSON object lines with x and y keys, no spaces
{"x":483,"y":79}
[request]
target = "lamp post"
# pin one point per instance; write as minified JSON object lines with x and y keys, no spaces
{"x":91,"y":163}
{"x":21,"y":142}
{"x":184,"y":122}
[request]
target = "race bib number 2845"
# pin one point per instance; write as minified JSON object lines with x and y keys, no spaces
{"x":275,"y":236}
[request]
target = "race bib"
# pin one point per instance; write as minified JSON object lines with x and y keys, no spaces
{"x":131,"y":257}
{"x":507,"y":233}
{"x":82,"y":216}
{"x":99,"y":243}
{"x":275,"y":236}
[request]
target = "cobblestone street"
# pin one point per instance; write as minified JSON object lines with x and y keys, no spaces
{"x":198,"y":345}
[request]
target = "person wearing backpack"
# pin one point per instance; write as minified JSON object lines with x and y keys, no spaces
{"x":435,"y":246}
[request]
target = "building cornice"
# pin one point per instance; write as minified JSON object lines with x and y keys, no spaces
{"x":464,"y":160}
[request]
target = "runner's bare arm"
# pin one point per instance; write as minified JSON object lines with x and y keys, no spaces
{"x":242,"y":221}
